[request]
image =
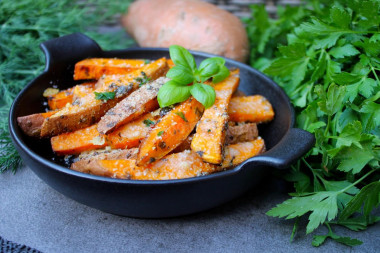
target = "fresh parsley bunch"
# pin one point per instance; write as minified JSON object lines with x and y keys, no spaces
{"x":329,"y":66}
{"x":187,"y":79}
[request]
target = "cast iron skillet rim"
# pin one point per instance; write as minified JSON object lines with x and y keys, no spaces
{"x":67,"y":171}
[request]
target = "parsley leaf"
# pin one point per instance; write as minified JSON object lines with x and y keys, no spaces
{"x":325,"y":55}
{"x":148,"y":122}
{"x":182,"y":116}
{"x":104,"y":95}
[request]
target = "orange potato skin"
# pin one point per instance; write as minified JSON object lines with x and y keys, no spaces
{"x":31,"y":124}
{"x":254,"y":109}
{"x":195,"y":25}
{"x":94,"y":68}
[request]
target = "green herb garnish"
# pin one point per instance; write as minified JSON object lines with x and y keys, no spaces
{"x":160,"y":133}
{"x":148,"y":122}
{"x":187,"y":79}
{"x":329,"y":67}
{"x":181,"y":115}
{"x":142,"y":80}
{"x":104,"y":95}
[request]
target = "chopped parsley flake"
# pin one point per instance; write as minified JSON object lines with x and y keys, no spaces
{"x":104,"y":95}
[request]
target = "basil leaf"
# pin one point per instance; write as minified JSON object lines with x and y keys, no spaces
{"x":221,"y":75}
{"x":210,"y":67}
{"x":172,"y":92}
{"x":104,"y":95}
{"x":205,"y":94}
{"x":180,"y":74}
{"x":182,"y":57}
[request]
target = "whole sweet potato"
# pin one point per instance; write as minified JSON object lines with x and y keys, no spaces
{"x":193,"y":24}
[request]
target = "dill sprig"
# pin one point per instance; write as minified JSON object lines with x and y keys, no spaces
{"x":24,"y":24}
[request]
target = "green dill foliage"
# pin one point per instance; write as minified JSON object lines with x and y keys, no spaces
{"x":104,"y":95}
{"x":160,"y":133}
{"x":24,"y":24}
{"x":326,"y":56}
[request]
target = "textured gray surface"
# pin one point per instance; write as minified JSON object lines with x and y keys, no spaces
{"x":32,"y":213}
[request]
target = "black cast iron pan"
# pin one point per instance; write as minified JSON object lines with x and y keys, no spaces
{"x":151,"y":199}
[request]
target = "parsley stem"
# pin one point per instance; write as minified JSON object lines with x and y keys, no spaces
{"x":328,"y":125}
{"x":357,"y":181}
{"x":374,"y":72}
{"x":328,"y":227}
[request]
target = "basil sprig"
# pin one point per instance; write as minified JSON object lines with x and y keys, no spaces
{"x":187,"y":79}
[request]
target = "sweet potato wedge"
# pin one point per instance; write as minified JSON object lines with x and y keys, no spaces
{"x":170,"y":131}
{"x":107,"y":154}
{"x":89,"y":138}
{"x":90,"y":165}
{"x":235,"y":134}
{"x":170,"y":63}
{"x":238,"y":93}
{"x":239,"y":152}
{"x":255,"y":109}
{"x":130,"y":134}
{"x":209,"y":138}
{"x":174,"y":166}
{"x":138,"y":102}
{"x":31,"y":124}
{"x":180,"y":165}
{"x":94,"y":68}
{"x":78,"y":141}
{"x":59,"y":100}
{"x":88,"y":110}
{"x":241,"y":133}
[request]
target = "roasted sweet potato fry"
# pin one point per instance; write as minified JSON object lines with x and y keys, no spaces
{"x":239,"y":152}
{"x":170,"y":63}
{"x":209,"y":138}
{"x":87,"y":139}
{"x":174,"y":166}
{"x":59,"y":100}
{"x":138,"y":102}
{"x":88,"y":110}
{"x":89,"y":163}
{"x":235,"y":134}
{"x":31,"y":124}
{"x":170,"y":131}
{"x":180,"y":165}
{"x":238,"y":93}
{"x":255,"y":109}
{"x":78,"y":141}
{"x":130,"y":134}
{"x":94,"y":68}
{"x":241,"y":133}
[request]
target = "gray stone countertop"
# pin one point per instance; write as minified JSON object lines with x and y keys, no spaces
{"x":34,"y":214}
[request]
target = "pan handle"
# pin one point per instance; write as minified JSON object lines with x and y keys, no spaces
{"x":63,"y":50}
{"x":294,"y":145}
